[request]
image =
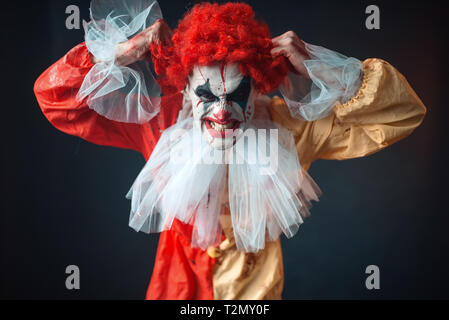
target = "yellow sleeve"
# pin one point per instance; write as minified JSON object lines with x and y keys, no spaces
{"x":385,"y":110}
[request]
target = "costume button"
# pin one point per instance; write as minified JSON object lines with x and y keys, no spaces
{"x":213,"y":252}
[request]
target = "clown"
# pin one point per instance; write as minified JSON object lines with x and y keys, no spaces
{"x":220,"y":221}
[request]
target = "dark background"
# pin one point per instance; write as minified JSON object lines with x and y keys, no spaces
{"x":63,"y":199}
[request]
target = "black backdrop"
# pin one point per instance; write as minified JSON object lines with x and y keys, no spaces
{"x":63,"y":198}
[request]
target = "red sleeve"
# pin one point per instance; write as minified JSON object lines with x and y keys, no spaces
{"x":56,"y":91}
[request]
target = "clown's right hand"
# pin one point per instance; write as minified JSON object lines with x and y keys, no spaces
{"x":294,"y":49}
{"x":137,"y":48}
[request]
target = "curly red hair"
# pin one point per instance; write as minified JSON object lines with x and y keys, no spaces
{"x":219,"y":33}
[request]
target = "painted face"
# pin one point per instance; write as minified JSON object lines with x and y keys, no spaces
{"x":222,"y":101}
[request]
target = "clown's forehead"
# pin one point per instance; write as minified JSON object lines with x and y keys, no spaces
{"x":223,"y":78}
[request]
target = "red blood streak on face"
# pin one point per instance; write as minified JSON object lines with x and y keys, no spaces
{"x":198,"y":103}
{"x":199,"y":69}
{"x":222,"y":70}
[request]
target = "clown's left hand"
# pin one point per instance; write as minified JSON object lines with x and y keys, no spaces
{"x":293,"y":48}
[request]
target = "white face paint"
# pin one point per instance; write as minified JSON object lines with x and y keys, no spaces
{"x":222,"y":101}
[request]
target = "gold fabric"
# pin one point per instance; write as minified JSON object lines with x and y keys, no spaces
{"x":246,"y":276}
{"x":385,"y":110}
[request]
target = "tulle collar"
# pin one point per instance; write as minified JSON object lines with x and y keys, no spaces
{"x":259,"y":179}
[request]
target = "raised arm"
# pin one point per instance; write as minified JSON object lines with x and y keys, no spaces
{"x":57,"y":88}
{"x":382,"y":111}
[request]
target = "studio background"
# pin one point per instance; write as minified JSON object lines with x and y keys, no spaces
{"x":64,"y":199}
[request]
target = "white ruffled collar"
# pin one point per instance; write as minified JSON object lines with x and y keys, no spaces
{"x":265,"y":198}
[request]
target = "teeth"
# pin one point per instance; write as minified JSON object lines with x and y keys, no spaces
{"x":221,"y":127}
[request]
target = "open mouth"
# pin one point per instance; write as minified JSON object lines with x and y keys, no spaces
{"x":221,"y":129}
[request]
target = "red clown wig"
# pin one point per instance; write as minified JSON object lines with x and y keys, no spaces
{"x":219,"y":33}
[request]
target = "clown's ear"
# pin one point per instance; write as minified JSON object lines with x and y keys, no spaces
{"x":120,"y":93}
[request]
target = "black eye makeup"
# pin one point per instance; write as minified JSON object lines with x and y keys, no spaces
{"x":241,"y":94}
{"x":204,"y":93}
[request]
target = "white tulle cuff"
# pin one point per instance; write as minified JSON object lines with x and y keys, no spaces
{"x":333,"y":78}
{"x":120,"y":93}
